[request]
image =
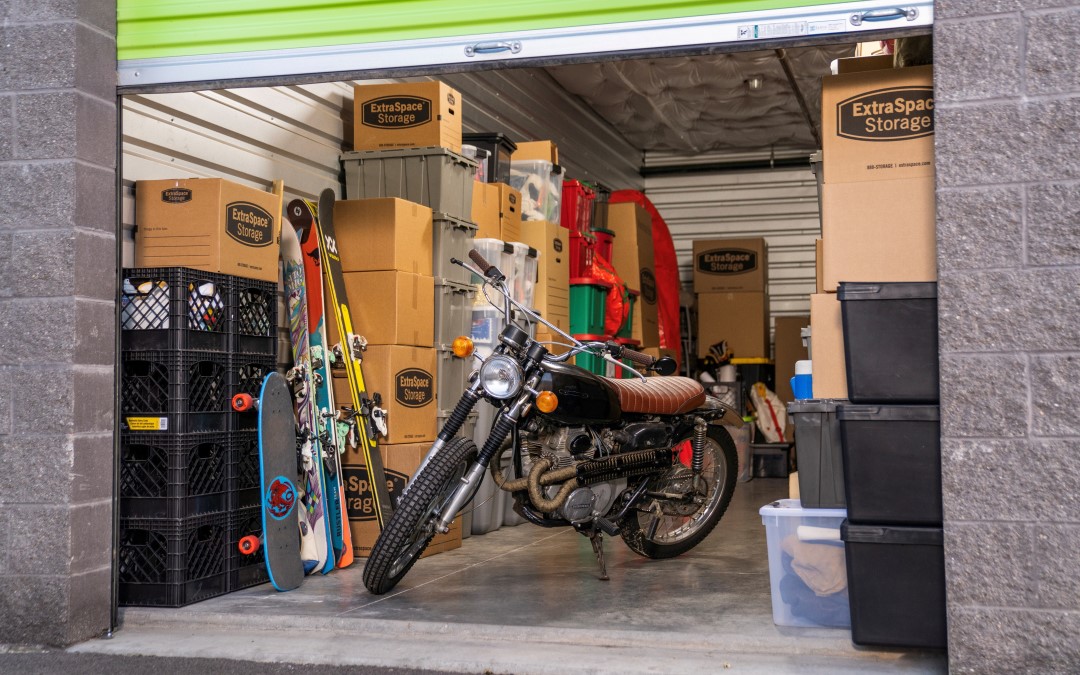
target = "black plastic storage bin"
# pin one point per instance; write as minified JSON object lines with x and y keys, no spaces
{"x":255,"y":327}
{"x":771,"y":460}
{"x":250,"y":569}
{"x":246,"y":375}
{"x":892,"y":463}
{"x":166,"y":475}
{"x":244,"y":482}
{"x":890,"y":341}
{"x":175,"y":308}
{"x":499,"y":148}
{"x":174,"y":391}
{"x":896,"y":585}
{"x":171,"y":562}
{"x":821,"y":460}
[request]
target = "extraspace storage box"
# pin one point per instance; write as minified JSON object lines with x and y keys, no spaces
{"x":878,"y":125}
{"x":879,"y":231}
{"x":400,"y":463}
{"x":406,"y":115}
{"x":552,"y":295}
{"x":496,"y":210}
{"x":392,"y":307}
{"x":632,"y":258}
{"x":830,"y":376}
{"x":209,"y":224}
{"x":725,"y":265}
{"x":740,"y":318}
{"x":545,"y":151}
{"x":383,"y":234}
{"x":405,"y":377}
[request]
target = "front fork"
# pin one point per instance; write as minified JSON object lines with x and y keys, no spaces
{"x":505,"y":423}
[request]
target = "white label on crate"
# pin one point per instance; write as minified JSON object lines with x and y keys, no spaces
{"x":148,"y":423}
{"x":765,"y":31}
{"x":822,"y":27}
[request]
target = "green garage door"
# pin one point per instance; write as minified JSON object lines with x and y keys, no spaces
{"x":163,"y":42}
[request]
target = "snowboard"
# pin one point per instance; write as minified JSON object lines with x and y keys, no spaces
{"x":277,"y":471}
{"x":304,"y":218}
{"x":367,"y":413}
{"x":314,"y":527}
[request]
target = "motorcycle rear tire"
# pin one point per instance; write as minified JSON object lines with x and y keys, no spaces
{"x":412,"y":526}
{"x":721,"y":445}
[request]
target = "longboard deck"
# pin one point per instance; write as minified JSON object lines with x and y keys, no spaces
{"x":277,"y":467}
{"x":315,"y":533}
{"x":335,"y":285}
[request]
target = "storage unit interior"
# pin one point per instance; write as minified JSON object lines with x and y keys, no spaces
{"x":718,"y":142}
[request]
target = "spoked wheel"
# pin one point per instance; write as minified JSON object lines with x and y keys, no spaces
{"x":412,"y":526}
{"x":667,"y":527}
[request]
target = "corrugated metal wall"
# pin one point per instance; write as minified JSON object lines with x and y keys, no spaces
{"x":780,"y":205}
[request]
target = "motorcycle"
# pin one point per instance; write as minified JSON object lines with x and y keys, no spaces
{"x":647,"y":459}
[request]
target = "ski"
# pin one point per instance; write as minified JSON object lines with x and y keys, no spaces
{"x":366,"y":414}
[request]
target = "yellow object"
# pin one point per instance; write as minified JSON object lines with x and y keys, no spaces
{"x":745,"y":362}
{"x":547,"y":401}
{"x":462,"y":347}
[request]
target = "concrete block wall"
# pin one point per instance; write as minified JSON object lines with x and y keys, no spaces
{"x":1008,"y":167}
{"x":57,"y":317}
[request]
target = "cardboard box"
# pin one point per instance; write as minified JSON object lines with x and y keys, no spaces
{"x":546,"y":336}
{"x":787,"y":349}
{"x":729,"y":265}
{"x":400,"y":463}
{"x":879,"y":231}
{"x":406,"y":115}
{"x":496,"y":211}
{"x":383,"y":234}
{"x":552,"y":293}
{"x":878,"y":125}
{"x":827,"y":333}
{"x":740,"y":318}
{"x":632,"y":258}
{"x":545,"y":151}
{"x":862,"y":64}
{"x":392,"y":307}
{"x":210,"y":224}
{"x":405,"y":377}
{"x":819,"y":272}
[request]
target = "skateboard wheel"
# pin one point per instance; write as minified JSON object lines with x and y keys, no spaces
{"x":243,"y":402}
{"x":248,"y":544}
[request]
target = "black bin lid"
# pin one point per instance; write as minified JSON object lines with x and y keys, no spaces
{"x":891,"y":534}
{"x":888,"y":413}
{"x":894,"y":290}
{"x":490,"y":138}
{"x":815,"y":405}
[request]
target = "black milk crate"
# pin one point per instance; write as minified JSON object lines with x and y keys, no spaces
{"x":172,"y":562}
{"x":170,"y":475}
{"x":174,"y":391}
{"x":246,"y":375}
{"x":170,"y":308}
{"x":243,"y":469}
{"x":256,"y":321}
{"x":451,"y":238}
{"x":246,"y":570}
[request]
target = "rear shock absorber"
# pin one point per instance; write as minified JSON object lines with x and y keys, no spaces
{"x":697,"y":462}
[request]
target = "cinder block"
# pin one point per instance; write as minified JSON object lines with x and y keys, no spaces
{"x":95,"y":68}
{"x":94,"y":411}
{"x":948,"y":9}
{"x":980,"y":229}
{"x":37,"y":331}
{"x":93,"y":279}
{"x":982,"y":59}
{"x":95,"y":207}
{"x":990,"y":564}
{"x":1055,"y":562}
{"x":45,"y":125}
{"x":89,"y":603}
{"x":983,"y":396}
{"x":992,"y":640}
{"x":38,"y":56}
{"x":99,"y":14}
{"x":39,"y":196}
{"x":35,"y":609}
{"x":95,"y":335}
{"x":42,"y":263}
{"x":31,"y":526}
{"x":91,"y":536}
{"x":92,"y":468}
{"x":5,"y":404}
{"x":1053,"y":210}
{"x":1049,"y":70}
{"x":1052,"y":132}
{"x":45,"y":401}
{"x":96,"y":131}
{"x":1055,"y":395}
{"x":980,"y":144}
{"x":44,"y":473}
{"x":7,"y":126}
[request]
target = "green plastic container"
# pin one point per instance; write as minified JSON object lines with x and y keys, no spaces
{"x":588,"y":304}
{"x":627,"y":328}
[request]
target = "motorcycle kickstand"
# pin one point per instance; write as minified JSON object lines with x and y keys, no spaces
{"x":596,"y":537}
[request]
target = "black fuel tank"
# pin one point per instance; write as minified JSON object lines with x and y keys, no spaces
{"x":584,"y":398}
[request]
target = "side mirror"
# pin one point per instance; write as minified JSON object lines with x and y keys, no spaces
{"x":665,"y":365}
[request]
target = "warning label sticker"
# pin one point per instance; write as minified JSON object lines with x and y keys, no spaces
{"x":148,"y":423}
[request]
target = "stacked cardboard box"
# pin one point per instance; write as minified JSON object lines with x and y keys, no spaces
{"x":632,"y":258}
{"x":731,"y":279}
{"x":386,"y":256}
{"x":406,"y":115}
{"x":552,"y":292}
{"x":877,"y":196}
{"x":496,"y":211}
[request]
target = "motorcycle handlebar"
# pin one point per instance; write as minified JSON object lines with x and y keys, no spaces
{"x":638,"y":358}
{"x":483,"y":264}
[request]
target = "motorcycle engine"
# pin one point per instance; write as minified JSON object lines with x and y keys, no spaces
{"x":568,"y":446}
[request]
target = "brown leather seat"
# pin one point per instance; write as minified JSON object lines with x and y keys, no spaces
{"x":659,"y":395}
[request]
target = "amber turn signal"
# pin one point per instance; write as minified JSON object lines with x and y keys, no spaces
{"x":547,"y":401}
{"x":462,"y":347}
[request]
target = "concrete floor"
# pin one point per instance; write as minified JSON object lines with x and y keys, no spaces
{"x":528,"y":600}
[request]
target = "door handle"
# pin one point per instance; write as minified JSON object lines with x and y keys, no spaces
{"x":493,"y":48}
{"x":875,"y":15}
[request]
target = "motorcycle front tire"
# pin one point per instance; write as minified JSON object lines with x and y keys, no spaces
{"x":412,"y":526}
{"x":721,"y":449}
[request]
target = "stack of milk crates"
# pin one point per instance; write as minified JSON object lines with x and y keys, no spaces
{"x":189,"y":466}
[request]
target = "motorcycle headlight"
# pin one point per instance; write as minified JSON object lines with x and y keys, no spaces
{"x":501,"y":377}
